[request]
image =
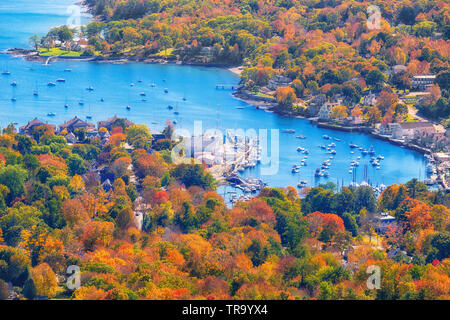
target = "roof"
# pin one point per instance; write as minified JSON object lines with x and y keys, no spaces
{"x":430,"y":76}
{"x":75,"y":121}
{"x":416,"y":125}
{"x":110,"y":121}
{"x":33,"y":123}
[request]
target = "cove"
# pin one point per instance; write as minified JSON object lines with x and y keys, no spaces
{"x":190,"y":90}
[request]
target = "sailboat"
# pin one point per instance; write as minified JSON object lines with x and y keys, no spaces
{"x":89,"y":115}
{"x":176,"y":110}
{"x":35,"y":92}
{"x":66,"y":105}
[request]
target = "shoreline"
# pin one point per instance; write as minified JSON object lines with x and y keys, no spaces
{"x":261,"y":103}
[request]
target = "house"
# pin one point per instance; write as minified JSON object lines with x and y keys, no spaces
{"x":383,"y":222}
{"x":110,"y":122}
{"x":370,"y":99}
{"x":324,"y":113}
{"x":415,"y":129}
{"x":390,"y":129}
{"x":206,"y":51}
{"x":75,"y":123}
{"x":325,"y":110}
{"x":78,"y":44}
{"x":422,"y":82}
{"x":316,"y":103}
{"x":278,"y":81}
{"x":398,"y":68}
{"x":71,"y":138}
{"x":28,"y":128}
{"x":92,"y":134}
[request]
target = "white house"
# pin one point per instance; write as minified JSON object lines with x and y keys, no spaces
{"x":422,"y":82}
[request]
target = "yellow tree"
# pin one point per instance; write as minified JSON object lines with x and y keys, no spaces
{"x":77,"y":183}
{"x":338,"y":112}
{"x":45,"y":280}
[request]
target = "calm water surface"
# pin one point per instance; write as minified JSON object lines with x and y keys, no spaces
{"x":215,"y":108}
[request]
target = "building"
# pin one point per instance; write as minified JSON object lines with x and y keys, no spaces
{"x":109,"y":123}
{"x":278,"y":81}
{"x":316,"y":103}
{"x":390,"y":129}
{"x":28,"y":128}
{"x":383,"y":222}
{"x":370,"y":100}
{"x":75,"y":123}
{"x":325,"y":110}
{"x":411,"y":130}
{"x":398,"y":68}
{"x":422,"y":82}
{"x":71,"y":138}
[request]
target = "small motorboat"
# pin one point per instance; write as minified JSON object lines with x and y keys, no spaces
{"x":169,"y":107}
{"x":51,"y":114}
{"x":35,"y":93}
{"x":67,"y":70}
{"x":81,"y":103}
{"x":142,"y":94}
{"x":128,"y":107}
{"x":13,"y":99}
{"x":66,"y":106}
{"x":14,"y":84}
{"x":88,"y":117}
{"x":300,"y":137}
{"x":6,"y":73}
{"x":51,"y":84}
{"x":60,"y":80}
{"x":166,"y":90}
{"x":326,"y":137}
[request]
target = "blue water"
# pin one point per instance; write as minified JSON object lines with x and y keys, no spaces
{"x":215,"y":108}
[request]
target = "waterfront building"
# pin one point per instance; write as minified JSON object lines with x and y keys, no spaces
{"x":411,"y":130}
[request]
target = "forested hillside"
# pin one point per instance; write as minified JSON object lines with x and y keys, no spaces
{"x":65,"y":205}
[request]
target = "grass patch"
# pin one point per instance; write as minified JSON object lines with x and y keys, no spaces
{"x":59,"y":52}
{"x":167,"y":52}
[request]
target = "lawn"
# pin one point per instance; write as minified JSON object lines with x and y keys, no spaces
{"x":59,"y":52}
{"x":167,"y":52}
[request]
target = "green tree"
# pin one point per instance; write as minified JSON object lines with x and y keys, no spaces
{"x":13,"y":177}
{"x":29,"y":289}
{"x":4,"y":291}
{"x":35,"y":41}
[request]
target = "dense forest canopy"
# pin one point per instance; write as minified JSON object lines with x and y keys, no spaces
{"x":65,"y":205}
{"x":327,"y":47}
